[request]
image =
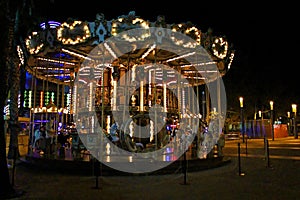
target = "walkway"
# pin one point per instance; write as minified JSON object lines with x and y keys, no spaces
{"x":279,"y":180}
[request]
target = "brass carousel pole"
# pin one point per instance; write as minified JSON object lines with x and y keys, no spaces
{"x":199,"y":125}
{"x":155,"y":111}
{"x":32,"y":109}
{"x":57,"y":120}
{"x":64,"y":121}
{"x":219,"y":109}
{"x":141,"y":70}
{"x":207,"y":103}
{"x":155,"y":99}
{"x":47,"y":93}
{"x":63,"y":104}
{"x":41,"y":101}
{"x":127,"y":99}
{"x":164,"y":91}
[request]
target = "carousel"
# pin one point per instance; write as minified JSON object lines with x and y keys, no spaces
{"x":127,"y":86}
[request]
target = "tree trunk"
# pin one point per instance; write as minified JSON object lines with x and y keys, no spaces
{"x":15,"y":19}
{"x":9,"y":68}
{"x":14,"y":82}
{"x":14,"y":127}
{"x":6,"y":38}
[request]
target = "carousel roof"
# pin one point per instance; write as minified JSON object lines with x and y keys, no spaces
{"x":57,"y":51}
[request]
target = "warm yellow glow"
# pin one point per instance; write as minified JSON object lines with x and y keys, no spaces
{"x":114,"y":99}
{"x":288,"y":114}
{"x":90,"y":97}
{"x":137,"y":23}
{"x":108,"y":123}
{"x":41,"y":98}
{"x":259,"y":113}
{"x":79,"y":25}
{"x":20,"y":54}
{"x":294,"y":108}
{"x":107,"y":147}
{"x":32,"y":44}
{"x":271,"y":105}
{"x":56,"y":61}
{"x":220,"y":47}
{"x":230,"y":60}
{"x":241,"y":102}
{"x":141,"y":95}
{"x":165,"y":96}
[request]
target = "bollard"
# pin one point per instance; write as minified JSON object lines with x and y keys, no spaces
{"x":96,"y":167}
{"x":267,"y":154}
{"x":184,"y":169}
{"x":265,"y":146}
{"x":246,"y":146}
{"x":239,"y":160}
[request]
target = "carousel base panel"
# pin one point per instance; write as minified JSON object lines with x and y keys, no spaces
{"x":84,"y":163}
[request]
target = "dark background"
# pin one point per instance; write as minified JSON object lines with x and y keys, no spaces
{"x":264,"y":35}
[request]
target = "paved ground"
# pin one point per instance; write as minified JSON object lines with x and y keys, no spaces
{"x":256,"y":176}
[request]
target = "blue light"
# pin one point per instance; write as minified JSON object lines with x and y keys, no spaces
{"x":62,"y":55}
{"x":52,"y":24}
{"x":28,"y":81}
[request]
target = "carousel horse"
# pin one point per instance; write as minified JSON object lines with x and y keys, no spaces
{"x":123,"y":140}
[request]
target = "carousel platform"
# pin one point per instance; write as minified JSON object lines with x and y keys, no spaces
{"x":85,"y":164}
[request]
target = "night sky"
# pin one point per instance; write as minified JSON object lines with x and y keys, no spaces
{"x":264,"y":37}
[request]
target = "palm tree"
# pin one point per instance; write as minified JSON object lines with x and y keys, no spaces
{"x":11,"y":14}
{"x":6,"y":42}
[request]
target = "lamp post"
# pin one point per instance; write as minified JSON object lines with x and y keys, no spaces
{"x":294,"y":110}
{"x":260,"y":123}
{"x":242,"y":118}
{"x":272,"y":119}
{"x":289,"y":122}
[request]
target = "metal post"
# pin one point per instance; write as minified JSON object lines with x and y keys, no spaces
{"x":96,"y":167}
{"x":246,"y":146}
{"x":203,"y":105}
{"x":294,"y":109}
{"x":265,"y":139}
{"x":239,"y":159}
{"x":295,"y":127}
{"x":272,"y":125}
{"x":289,"y":126}
{"x":184,"y":168}
{"x":243,"y":124}
{"x":267,"y":153}
{"x":242,"y":118}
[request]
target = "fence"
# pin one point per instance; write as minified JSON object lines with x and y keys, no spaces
{"x":258,"y":129}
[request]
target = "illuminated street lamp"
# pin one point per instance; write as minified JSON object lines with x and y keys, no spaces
{"x":271,"y":105}
{"x":272,"y":121}
{"x":289,"y":122}
{"x":241,"y":102}
{"x":242,"y":118}
{"x":294,"y":110}
{"x":259,"y":114}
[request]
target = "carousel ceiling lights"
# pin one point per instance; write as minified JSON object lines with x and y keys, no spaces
{"x":77,"y":38}
{"x":73,"y":33}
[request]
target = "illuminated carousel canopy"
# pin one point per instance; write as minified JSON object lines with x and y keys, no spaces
{"x":57,"y":50}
